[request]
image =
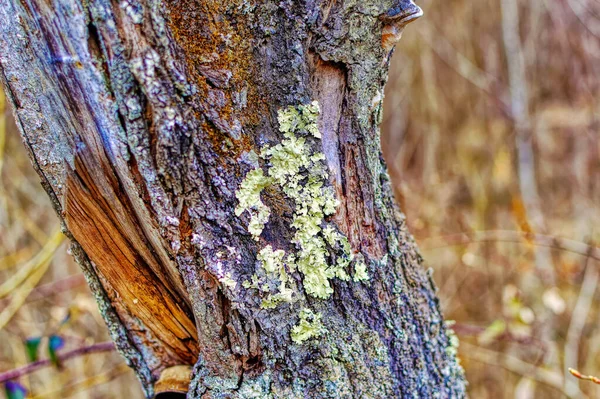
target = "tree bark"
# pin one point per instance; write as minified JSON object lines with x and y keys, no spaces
{"x":144,"y":118}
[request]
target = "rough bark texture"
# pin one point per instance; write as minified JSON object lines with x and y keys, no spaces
{"x":143,"y":118}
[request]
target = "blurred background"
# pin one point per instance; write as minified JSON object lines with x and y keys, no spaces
{"x":490,"y":132}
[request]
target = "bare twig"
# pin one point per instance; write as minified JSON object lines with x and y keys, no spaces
{"x":552,"y":379}
{"x":79,"y":386}
{"x":577,"y":374}
{"x":462,"y":330}
{"x":578,"y":320}
{"x":581,"y":12}
{"x":56,"y":287}
{"x":463,"y":66}
{"x":518,"y":237}
{"x":31,"y":367}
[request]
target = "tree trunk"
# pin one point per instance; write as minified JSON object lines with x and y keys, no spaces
{"x":217,"y":167}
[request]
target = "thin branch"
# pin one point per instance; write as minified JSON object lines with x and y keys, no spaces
{"x":577,"y":374}
{"x":84,"y":385}
{"x":484,"y":81}
{"x":56,"y":287}
{"x":31,"y":367}
{"x":552,"y":379}
{"x":578,"y":319}
{"x":580,"y":12}
{"x":563,"y":244}
{"x":463,"y":330}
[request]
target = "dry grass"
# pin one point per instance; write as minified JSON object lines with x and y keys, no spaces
{"x":488,"y":131}
{"x":491,"y":123}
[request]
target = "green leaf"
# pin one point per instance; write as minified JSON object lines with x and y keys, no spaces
{"x":55,"y":342}
{"x":32,"y":345}
{"x":14,"y":390}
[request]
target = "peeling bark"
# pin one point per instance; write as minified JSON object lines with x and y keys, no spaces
{"x":143,"y":117}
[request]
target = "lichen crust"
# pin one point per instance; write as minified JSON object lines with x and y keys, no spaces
{"x":300,"y":173}
{"x":309,"y":326}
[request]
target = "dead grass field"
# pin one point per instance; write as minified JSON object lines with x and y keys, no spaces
{"x":492,"y":129}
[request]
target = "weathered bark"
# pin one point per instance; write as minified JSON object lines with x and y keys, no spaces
{"x":143,"y":118}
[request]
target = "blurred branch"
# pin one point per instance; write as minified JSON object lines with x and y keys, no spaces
{"x":552,"y":379}
{"x":580,"y":12}
{"x":56,"y":287}
{"x":2,"y":131}
{"x":462,"y":330}
{"x":51,"y":289}
{"x":13,"y":258}
{"x":79,"y":386}
{"x":463,"y":66}
{"x":25,"y":219}
{"x":519,"y":106}
{"x":518,"y":237}
{"x":578,"y":319}
{"x":31,"y":367}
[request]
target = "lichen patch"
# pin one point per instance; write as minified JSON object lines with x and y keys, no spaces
{"x":300,"y":173}
{"x":249,"y":200}
{"x":227,"y":281}
{"x":309,"y":326}
{"x":273,"y":265}
{"x":360,"y":270}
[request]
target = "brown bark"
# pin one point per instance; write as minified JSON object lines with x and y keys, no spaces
{"x":142,"y":119}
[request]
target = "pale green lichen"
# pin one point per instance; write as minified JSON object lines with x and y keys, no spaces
{"x":301,"y":118}
{"x":286,"y":158}
{"x":360,"y":270}
{"x":271,"y":260}
{"x":452,"y":369}
{"x":274,"y":266}
{"x":309,"y":326}
{"x":249,"y":199}
{"x":453,"y":341}
{"x":228,"y":281}
{"x":301,"y":174}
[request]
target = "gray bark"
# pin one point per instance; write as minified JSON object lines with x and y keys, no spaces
{"x":142,"y":118}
